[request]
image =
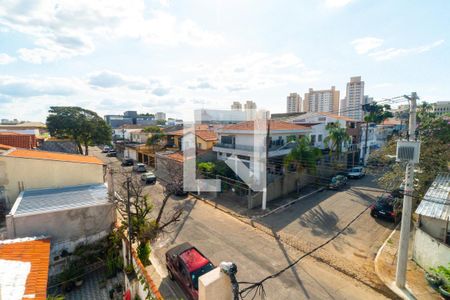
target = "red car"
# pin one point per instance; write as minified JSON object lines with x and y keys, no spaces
{"x":185,"y":265}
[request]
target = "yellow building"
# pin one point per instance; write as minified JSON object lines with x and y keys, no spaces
{"x":205,"y":138}
{"x":22,"y":169}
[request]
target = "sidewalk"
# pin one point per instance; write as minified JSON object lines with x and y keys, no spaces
{"x":241,"y":211}
{"x":385,"y":267}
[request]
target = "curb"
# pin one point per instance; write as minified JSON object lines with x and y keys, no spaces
{"x":230,"y":212}
{"x":403,"y":294}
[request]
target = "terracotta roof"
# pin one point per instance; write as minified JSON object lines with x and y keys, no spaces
{"x":37,"y":253}
{"x":274,"y":125}
{"x":5,"y":147}
{"x":204,"y":134}
{"x":391,"y":121}
{"x":331,"y":115}
{"x":176,"y":156}
{"x":55,"y":156}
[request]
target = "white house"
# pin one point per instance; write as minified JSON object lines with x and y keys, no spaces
{"x":238,"y":140}
{"x":432,"y":236}
{"x":318,"y":121}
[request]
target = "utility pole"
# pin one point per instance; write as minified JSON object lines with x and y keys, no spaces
{"x":130,"y":262}
{"x":402,"y":259}
{"x":264,"y":196}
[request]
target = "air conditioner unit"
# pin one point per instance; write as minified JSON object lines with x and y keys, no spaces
{"x":408,"y":151}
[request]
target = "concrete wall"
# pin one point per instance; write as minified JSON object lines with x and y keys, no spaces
{"x":434,"y":227}
{"x":429,"y":252}
{"x":64,"y":225}
{"x":40,"y":173}
{"x":281,"y":186}
{"x":131,"y":153}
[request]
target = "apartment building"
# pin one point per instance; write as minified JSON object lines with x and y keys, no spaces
{"x":160,"y":116}
{"x":293,"y":103}
{"x":354,"y":99}
{"x":441,"y":108}
{"x":321,"y":101}
{"x":236,"y":105}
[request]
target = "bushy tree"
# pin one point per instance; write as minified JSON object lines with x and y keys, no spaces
{"x":83,"y":126}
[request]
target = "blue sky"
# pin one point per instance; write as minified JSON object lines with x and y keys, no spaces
{"x":176,"y":56}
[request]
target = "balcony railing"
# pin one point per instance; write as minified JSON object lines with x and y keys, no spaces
{"x":252,"y":148}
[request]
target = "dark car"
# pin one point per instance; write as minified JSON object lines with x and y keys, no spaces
{"x":126,"y":162}
{"x":111,"y":153}
{"x":185,"y":265}
{"x":337,"y":182}
{"x":148,"y":178}
{"x":387,"y":208}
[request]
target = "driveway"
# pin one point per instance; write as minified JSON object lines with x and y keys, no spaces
{"x":316,"y":219}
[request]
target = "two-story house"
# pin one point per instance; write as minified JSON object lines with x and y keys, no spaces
{"x":238,"y":140}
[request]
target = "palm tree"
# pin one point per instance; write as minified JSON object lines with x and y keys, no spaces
{"x":336,"y":136}
{"x":304,"y":156}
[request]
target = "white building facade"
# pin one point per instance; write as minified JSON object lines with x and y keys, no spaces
{"x":321,"y":101}
{"x":354,"y":99}
{"x":293,"y":103}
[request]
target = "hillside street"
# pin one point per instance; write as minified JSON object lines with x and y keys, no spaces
{"x":224,"y":238}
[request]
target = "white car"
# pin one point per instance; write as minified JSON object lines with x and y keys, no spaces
{"x":356,"y":172}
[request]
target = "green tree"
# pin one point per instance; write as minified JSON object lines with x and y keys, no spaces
{"x":375,"y":113}
{"x":207,"y":167}
{"x":152,"y":129}
{"x":434,"y":135}
{"x":337,"y":136}
{"x":303,"y":156}
{"x":161,"y":122}
{"x":84,"y":126}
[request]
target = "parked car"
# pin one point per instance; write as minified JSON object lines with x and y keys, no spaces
{"x":148,"y":178}
{"x":388,"y":208}
{"x":140,"y":167}
{"x":356,"y":172}
{"x":337,"y":182}
{"x":106,"y":149}
{"x":185,"y":265}
{"x":127,"y":162}
{"x":111,"y":153}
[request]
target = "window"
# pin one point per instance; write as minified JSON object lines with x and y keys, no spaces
{"x":313,"y":138}
{"x":199,"y":146}
{"x":319,"y":138}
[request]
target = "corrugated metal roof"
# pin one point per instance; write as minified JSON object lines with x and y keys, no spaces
{"x":436,"y":203}
{"x":46,"y":200}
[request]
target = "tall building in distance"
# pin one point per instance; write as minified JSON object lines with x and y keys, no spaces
{"x":293,"y":103}
{"x":354,"y":99}
{"x":160,"y":116}
{"x":321,"y":101}
{"x":236,"y":105}
{"x":249,"y":105}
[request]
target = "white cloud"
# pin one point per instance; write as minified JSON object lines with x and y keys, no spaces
{"x":32,"y":87}
{"x":364,"y":45}
{"x":6,"y":59}
{"x":391,"y":53}
{"x":370,"y":46}
{"x":71,"y":28}
{"x":337,"y":3}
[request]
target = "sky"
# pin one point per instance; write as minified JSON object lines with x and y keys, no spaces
{"x":111,"y":56}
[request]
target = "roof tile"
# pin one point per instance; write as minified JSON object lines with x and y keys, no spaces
{"x":36,"y":154}
{"x":36,"y":252}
